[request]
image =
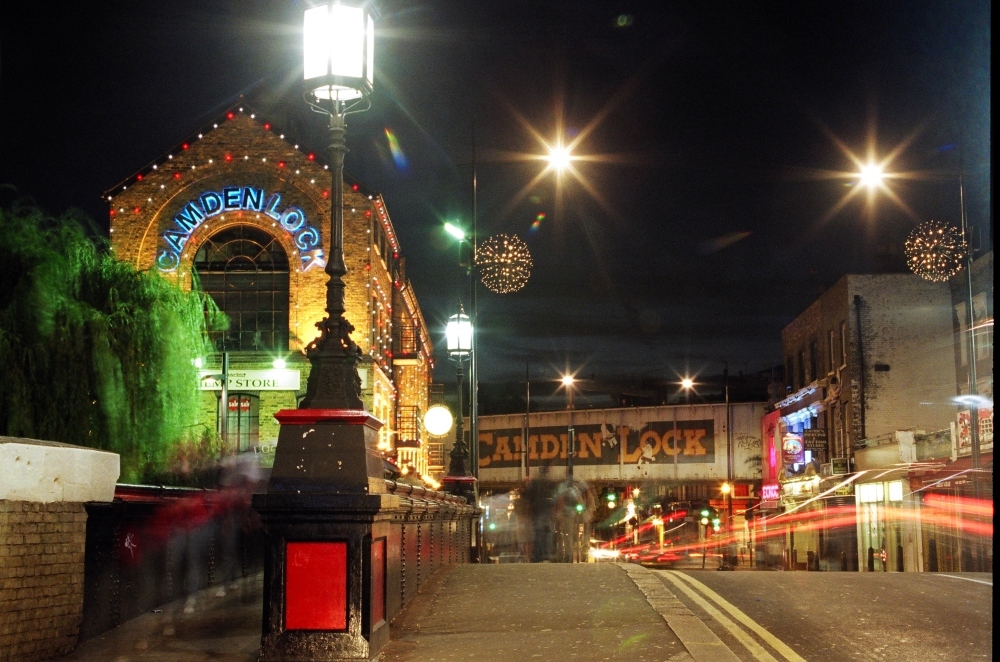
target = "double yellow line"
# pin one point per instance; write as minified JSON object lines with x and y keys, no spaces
{"x":698,"y":593}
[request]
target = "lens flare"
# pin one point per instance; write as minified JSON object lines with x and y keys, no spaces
{"x":717,"y":244}
{"x":398,"y":157}
{"x":538,"y":221}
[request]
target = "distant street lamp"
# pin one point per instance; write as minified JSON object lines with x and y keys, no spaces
{"x":688,"y":385}
{"x":460,"y":235}
{"x":567,"y":382}
{"x":970,"y":336}
{"x":459,"y":338}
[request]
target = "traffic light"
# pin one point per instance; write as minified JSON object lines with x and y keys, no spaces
{"x":612,"y":498}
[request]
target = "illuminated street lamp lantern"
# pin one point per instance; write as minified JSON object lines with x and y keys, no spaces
{"x":338,"y":47}
{"x":458,"y":335}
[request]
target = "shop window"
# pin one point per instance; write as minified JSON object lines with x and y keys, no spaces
{"x":896,"y":490}
{"x":871,"y":493}
{"x":245,"y":271}
{"x":242,"y":421}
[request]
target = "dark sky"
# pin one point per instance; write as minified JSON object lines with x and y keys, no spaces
{"x":704,"y":229}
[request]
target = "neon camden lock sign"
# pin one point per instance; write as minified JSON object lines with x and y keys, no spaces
{"x":192,"y":215}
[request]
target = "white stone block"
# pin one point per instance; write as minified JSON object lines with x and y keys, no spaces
{"x":48,"y":471}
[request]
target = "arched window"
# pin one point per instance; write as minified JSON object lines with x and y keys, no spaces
{"x":245,"y":271}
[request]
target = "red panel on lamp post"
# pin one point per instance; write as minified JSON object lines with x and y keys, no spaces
{"x":378,"y":580}
{"x":316,"y":586}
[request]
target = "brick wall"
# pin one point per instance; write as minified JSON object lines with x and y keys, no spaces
{"x":909,"y":362}
{"x":41,"y":578}
{"x":905,"y":332}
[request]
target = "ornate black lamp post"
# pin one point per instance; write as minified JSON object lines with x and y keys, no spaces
{"x":328,"y":541}
{"x":458,"y":334}
{"x":339,"y":50}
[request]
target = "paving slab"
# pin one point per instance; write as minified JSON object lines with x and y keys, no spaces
{"x":506,"y":612}
{"x":221,"y":623}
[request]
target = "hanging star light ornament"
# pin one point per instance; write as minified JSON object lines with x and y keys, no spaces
{"x":504,"y":263}
{"x":935,"y":251}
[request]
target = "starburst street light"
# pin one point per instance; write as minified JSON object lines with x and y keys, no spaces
{"x":871,"y":175}
{"x":559,"y":158}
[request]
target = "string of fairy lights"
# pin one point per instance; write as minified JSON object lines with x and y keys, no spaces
{"x":935,"y":251}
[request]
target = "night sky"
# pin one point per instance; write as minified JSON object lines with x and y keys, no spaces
{"x":706,"y":220}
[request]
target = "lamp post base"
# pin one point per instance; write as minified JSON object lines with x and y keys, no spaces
{"x":463,"y":486}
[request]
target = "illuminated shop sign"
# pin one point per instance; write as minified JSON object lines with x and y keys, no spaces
{"x":307,"y":239}
{"x":770,"y":492}
{"x":792,"y":449}
{"x":251,"y":380}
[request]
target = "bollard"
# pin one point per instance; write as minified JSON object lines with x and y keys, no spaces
{"x":326,"y":515}
{"x":345,"y":548}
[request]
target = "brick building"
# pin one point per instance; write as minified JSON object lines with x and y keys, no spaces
{"x":241,"y":210}
{"x":872,"y":356}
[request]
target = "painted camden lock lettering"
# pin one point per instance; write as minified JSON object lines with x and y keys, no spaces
{"x":658,"y":442}
{"x":307,"y":239}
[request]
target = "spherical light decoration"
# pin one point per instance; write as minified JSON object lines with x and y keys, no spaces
{"x":438,"y":420}
{"x":935,"y":251}
{"x":504,"y":263}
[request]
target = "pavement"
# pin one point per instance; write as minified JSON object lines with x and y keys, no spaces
{"x":610,"y":611}
{"x":487,"y":613}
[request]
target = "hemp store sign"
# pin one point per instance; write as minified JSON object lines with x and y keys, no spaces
{"x":251,"y":380}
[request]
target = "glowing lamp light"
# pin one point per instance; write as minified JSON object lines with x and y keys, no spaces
{"x":559,"y":158}
{"x":458,"y":334}
{"x":438,"y":420}
{"x":597,"y":553}
{"x":726,"y":488}
{"x":871,"y":175}
{"x":455,"y":231}
{"x":568,"y":380}
{"x":338,"y":49}
{"x":279,"y":364}
{"x":687,"y":383}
